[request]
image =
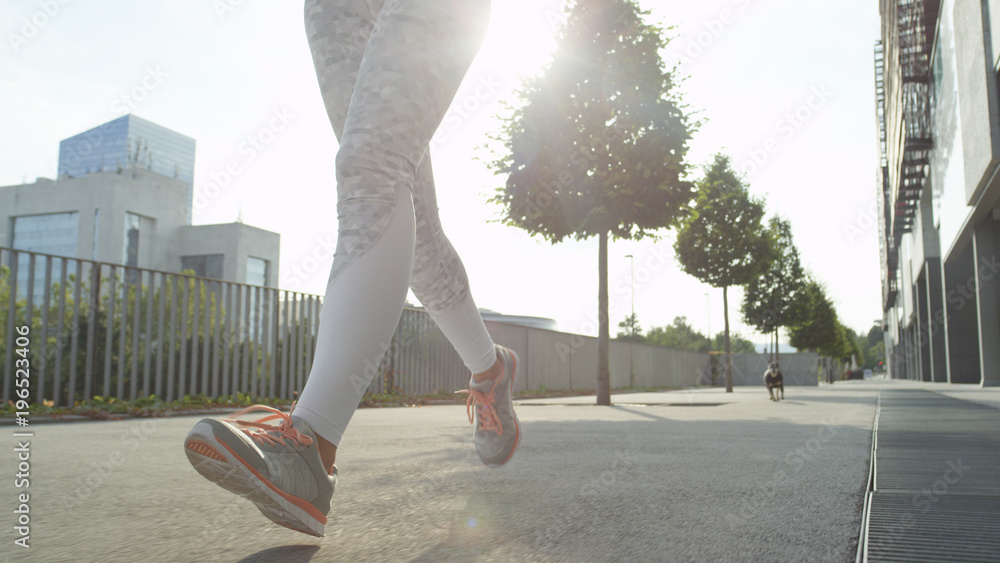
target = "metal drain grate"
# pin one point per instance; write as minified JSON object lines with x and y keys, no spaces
{"x":909,"y":527}
{"x":936,"y":486}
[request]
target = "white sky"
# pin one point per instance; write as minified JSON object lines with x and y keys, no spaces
{"x":788,"y":83}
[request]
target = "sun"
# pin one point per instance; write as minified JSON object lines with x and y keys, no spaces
{"x":521,"y":36}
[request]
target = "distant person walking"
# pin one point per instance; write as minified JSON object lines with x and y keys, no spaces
{"x":387,"y":70}
{"x":775,"y":382}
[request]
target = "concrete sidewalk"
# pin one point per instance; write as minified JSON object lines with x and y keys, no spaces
{"x":680,"y":476}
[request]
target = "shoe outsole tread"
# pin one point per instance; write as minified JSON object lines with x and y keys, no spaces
{"x":204,"y":453}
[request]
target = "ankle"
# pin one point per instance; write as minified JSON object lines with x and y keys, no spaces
{"x":491,"y":374}
{"x":327,"y":453}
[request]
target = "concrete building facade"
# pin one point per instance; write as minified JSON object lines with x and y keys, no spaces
{"x":135,"y":218}
{"x":938,"y":111}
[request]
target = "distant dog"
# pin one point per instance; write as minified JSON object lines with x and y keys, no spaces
{"x":775,"y":382}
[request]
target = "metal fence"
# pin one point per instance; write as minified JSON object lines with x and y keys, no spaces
{"x":99,"y":329}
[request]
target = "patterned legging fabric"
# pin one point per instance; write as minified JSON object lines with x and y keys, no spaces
{"x":387,"y":70}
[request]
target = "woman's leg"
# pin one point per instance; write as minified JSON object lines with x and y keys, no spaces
{"x":338,"y":32}
{"x":415,"y":58}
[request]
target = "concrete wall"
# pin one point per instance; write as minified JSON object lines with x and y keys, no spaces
{"x":977,"y":96}
{"x":563,"y":361}
{"x":962,"y":322}
{"x":797,"y":369}
{"x":236,"y":241}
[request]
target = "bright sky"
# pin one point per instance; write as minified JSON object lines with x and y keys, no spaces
{"x":784,"y":87}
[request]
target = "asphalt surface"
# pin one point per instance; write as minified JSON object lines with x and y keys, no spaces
{"x":697,"y":475}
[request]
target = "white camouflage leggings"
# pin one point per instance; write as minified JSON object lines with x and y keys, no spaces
{"x":387,"y":70}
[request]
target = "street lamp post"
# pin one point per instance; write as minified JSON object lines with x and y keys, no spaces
{"x":631,"y":370}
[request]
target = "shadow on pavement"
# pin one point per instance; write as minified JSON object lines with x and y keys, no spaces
{"x":285,"y":553}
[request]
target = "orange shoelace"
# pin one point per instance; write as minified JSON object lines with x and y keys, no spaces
{"x":271,"y":434}
{"x":488,"y":419}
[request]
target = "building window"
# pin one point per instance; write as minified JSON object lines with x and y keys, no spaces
{"x":53,"y":233}
{"x":256,"y":271}
{"x":206,"y":266}
{"x":130,"y":252}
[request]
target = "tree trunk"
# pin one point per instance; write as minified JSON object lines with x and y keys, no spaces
{"x":603,"y":330}
{"x":729,"y":349}
{"x":776,"y":351}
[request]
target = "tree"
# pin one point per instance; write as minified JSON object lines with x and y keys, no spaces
{"x":818,"y":327}
{"x":874,"y":347}
{"x":769,"y":299}
{"x":679,"y":336}
{"x":739,"y":344}
{"x":722,"y":242}
{"x":597,"y":146}
{"x":853,"y":346}
{"x":630,"y":329}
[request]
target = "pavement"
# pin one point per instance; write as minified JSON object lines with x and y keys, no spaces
{"x":690,"y":475}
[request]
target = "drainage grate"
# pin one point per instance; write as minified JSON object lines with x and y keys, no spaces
{"x":621,"y":404}
{"x":936,"y":487}
{"x":909,"y":527}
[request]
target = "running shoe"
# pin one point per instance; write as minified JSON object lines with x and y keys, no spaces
{"x":273,"y":461}
{"x":491,"y":409}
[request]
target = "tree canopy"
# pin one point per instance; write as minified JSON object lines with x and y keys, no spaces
{"x":679,"y":336}
{"x":598,"y":142}
{"x":769,"y":299}
{"x":722,"y":242}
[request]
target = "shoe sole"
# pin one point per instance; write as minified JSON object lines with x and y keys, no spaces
{"x":517,"y":426}
{"x":219,"y":464}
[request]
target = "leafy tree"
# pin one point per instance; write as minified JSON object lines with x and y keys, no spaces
{"x":818,"y":327}
{"x":874,"y":347}
{"x":854,"y":345}
{"x":859,"y":343}
{"x":597,"y":146}
{"x":630,"y":329}
{"x":722,"y":242}
{"x":769,"y":299}
{"x":739,"y":344}
{"x":679,"y":336}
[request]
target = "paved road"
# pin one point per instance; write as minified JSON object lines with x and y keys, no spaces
{"x":679,"y":476}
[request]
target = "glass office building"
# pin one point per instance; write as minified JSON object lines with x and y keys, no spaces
{"x":51,"y":233}
{"x":129,"y":142}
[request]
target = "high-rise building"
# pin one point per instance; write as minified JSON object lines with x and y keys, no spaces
{"x":132,"y":218}
{"x":124,"y":197}
{"x":127,"y":143}
{"x":938,"y":112}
